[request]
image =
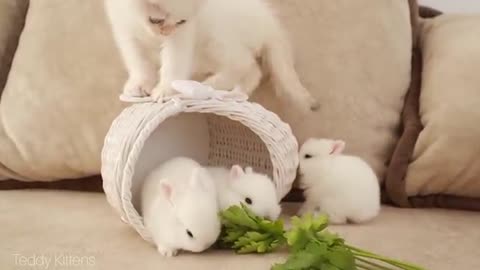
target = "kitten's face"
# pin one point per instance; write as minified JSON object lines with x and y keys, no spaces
{"x":163,"y":17}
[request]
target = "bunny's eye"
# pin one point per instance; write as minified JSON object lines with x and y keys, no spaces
{"x":156,"y":21}
{"x":181,"y":22}
{"x":248,"y":201}
{"x":307,"y":156}
{"x":190,"y":234}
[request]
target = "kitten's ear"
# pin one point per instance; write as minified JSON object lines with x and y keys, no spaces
{"x":338,"y":147}
{"x":249,"y":170}
{"x":236,"y":171}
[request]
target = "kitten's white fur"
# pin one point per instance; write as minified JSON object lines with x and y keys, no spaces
{"x":236,"y":42}
{"x":344,"y":187}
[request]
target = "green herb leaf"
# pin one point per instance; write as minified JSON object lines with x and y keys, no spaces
{"x":239,"y":218}
{"x":298,"y":261}
{"x":248,"y":233}
{"x":341,"y":258}
{"x":311,"y":246}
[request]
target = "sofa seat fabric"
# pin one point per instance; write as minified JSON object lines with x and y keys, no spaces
{"x":83,"y":225}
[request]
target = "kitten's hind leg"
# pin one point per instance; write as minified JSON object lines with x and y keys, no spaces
{"x":238,"y":67}
{"x":285,"y":78}
{"x":220,"y":81}
{"x":251,"y":80}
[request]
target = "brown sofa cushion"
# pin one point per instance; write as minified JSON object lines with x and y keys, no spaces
{"x":90,"y":184}
{"x":12,"y":18}
{"x":436,"y":161}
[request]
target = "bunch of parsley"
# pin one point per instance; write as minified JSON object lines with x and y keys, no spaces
{"x":247,"y":233}
{"x":311,"y":246}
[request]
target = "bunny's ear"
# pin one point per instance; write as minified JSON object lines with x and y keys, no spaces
{"x":236,"y":171}
{"x":198,"y":179}
{"x":338,"y":147}
{"x":167,"y":190}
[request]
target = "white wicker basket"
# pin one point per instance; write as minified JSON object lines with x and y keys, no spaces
{"x":239,"y":132}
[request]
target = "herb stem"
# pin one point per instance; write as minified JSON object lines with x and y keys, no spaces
{"x":398,"y":264}
{"x":367,"y":254}
{"x":376,"y":265}
{"x":362,"y":266}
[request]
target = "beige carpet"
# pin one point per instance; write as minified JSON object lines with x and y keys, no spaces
{"x":70,"y":230}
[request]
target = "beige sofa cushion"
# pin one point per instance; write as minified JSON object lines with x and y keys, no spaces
{"x":62,"y":93}
{"x":354,"y":56}
{"x":449,"y":109}
{"x":444,"y":168}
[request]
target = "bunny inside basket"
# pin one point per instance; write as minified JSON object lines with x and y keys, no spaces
{"x":212,"y":127}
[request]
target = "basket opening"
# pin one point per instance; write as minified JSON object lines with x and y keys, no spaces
{"x":232,"y":143}
{"x":185,"y":134}
{"x":207,"y":138}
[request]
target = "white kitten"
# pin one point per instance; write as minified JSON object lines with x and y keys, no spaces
{"x":228,"y":39}
{"x":344,"y":187}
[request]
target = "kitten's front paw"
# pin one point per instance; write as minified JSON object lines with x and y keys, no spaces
{"x":161,"y":91}
{"x":139,"y":86}
{"x":167,"y":252}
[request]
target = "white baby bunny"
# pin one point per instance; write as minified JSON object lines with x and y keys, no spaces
{"x":180,"y":208}
{"x":255,"y":190}
{"x":344,"y":187}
